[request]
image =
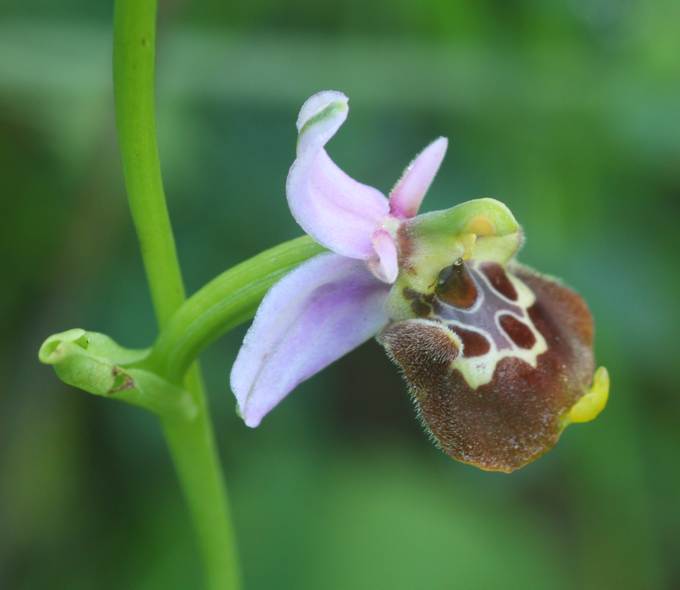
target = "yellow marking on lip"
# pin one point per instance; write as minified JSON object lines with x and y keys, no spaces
{"x":481,"y":225}
{"x":593,"y":402}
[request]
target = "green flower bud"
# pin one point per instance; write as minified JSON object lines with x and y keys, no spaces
{"x":95,"y":363}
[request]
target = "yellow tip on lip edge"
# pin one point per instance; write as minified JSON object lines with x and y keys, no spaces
{"x":593,"y":402}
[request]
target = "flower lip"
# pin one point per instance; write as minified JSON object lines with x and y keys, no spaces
{"x":502,"y":401}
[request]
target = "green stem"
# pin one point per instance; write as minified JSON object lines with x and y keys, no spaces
{"x":191,"y":442}
{"x":133,"y":74}
{"x":225,"y":302}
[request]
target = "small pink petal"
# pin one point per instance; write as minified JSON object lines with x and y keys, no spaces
{"x":336,"y":210}
{"x":385,"y":266}
{"x":408,"y":193}
{"x":314,"y":315}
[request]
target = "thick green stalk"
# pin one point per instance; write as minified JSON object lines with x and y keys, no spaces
{"x":191,"y":441}
{"x":228,"y":300}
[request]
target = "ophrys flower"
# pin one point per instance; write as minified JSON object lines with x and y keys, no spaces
{"x":497,"y":357}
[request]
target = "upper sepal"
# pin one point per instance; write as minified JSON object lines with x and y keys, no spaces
{"x":339,"y":212}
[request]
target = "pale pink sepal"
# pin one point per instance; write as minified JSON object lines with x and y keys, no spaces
{"x":313,"y":316}
{"x":408,"y":193}
{"x":336,"y":210}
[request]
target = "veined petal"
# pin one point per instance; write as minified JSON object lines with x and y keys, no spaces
{"x":336,"y":210}
{"x":385,"y":265}
{"x":408,"y":193}
{"x":312,"y":317}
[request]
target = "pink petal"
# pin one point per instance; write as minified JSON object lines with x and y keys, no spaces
{"x":317,"y":313}
{"x":408,"y":193}
{"x":385,"y":265}
{"x":336,"y":210}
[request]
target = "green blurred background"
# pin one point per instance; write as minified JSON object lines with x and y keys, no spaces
{"x":568,"y":111}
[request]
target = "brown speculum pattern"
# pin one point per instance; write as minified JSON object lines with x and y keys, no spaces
{"x":495,"y":357}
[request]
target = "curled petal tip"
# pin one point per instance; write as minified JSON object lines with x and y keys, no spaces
{"x":318,"y":102}
{"x":320,"y":117}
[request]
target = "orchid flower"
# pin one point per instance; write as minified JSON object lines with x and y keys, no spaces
{"x":498,"y":358}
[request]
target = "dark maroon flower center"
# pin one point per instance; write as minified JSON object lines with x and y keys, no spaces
{"x":485,"y":308}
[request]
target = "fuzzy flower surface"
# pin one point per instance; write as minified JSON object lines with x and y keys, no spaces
{"x":498,"y":358}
